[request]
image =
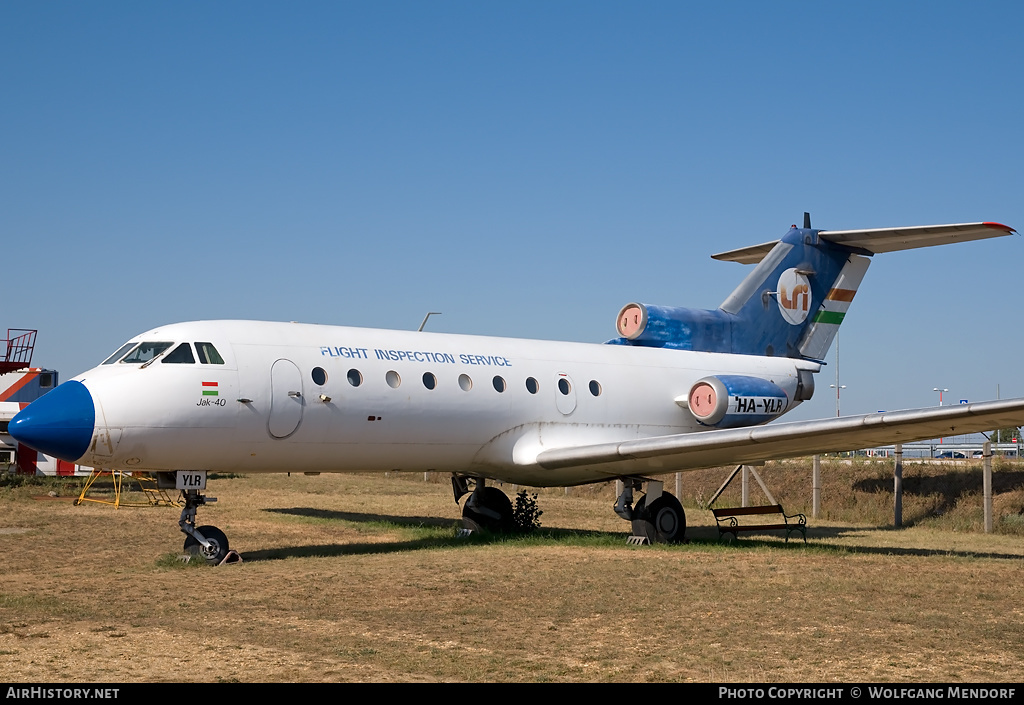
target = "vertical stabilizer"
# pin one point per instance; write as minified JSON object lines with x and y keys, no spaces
{"x":784,"y":308}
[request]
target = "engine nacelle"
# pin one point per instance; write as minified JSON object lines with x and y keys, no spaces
{"x":731,"y":401}
{"x":671,"y":327}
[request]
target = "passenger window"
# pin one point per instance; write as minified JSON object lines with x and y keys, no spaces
{"x":319,"y":376}
{"x":531,"y":385}
{"x":355,"y":377}
{"x":499,"y":384}
{"x":208,"y":354}
{"x":145,"y":352}
{"x":465,"y":383}
{"x":394,"y":379}
{"x":563,"y":386}
{"x":181,"y":355}
{"x":429,"y":380}
{"x":595,"y":387}
{"x":120,"y":352}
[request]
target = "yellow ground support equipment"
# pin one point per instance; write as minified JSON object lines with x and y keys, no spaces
{"x":123,"y":481}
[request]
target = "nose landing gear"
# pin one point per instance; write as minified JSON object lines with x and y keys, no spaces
{"x":206,"y":542}
{"x":216,"y":548}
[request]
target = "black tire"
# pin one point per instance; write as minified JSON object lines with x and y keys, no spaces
{"x":496,"y":501}
{"x":663,"y":522}
{"x":218,"y":545}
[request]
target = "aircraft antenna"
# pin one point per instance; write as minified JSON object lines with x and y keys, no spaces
{"x":431,"y":313}
{"x":807,"y":220}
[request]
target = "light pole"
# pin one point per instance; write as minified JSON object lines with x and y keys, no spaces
{"x":940,"y":391}
{"x":837,"y":388}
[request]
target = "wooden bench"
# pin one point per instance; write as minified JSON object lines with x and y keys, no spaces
{"x":728,"y":523}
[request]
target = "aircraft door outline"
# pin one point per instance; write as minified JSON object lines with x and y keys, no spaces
{"x":286,"y":400}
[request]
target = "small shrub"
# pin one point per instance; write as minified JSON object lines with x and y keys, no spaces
{"x":526,"y":513}
{"x":1012,"y":523}
{"x":701,"y":501}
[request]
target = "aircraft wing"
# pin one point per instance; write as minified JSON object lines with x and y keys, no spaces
{"x":692,"y":451}
{"x":878,"y":240}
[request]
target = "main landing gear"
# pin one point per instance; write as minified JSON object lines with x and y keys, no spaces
{"x":487,"y":507}
{"x":657,"y":516}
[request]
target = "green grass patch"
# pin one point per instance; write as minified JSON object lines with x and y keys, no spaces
{"x":41,"y":605}
{"x":176,"y":561}
{"x":62,"y":485}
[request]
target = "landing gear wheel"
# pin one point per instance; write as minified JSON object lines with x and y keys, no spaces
{"x":663,"y":522}
{"x":218,"y":545}
{"x":495,"y":501}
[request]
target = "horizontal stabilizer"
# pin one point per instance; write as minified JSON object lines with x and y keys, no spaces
{"x":692,"y":451}
{"x":747,"y":255}
{"x":895,"y":239}
{"x":883,"y":239}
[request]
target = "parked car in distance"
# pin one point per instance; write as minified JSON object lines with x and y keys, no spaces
{"x":951,"y":455}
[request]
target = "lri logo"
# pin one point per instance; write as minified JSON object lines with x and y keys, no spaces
{"x":794,"y":296}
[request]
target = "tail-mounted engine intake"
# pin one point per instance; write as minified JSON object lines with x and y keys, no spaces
{"x":673,"y":327}
{"x":731,"y":401}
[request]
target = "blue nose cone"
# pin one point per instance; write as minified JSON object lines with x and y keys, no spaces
{"x":59,"y":423}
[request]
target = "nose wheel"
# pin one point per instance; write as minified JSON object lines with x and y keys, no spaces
{"x":206,"y":542}
{"x":216,"y":548}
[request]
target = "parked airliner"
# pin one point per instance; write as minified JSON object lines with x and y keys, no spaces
{"x":678,"y":389}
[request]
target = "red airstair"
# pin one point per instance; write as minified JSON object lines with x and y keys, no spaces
{"x":16,"y":351}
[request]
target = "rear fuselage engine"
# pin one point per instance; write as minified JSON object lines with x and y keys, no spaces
{"x":731,"y":401}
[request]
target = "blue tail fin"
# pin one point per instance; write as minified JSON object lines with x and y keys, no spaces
{"x":791,"y":304}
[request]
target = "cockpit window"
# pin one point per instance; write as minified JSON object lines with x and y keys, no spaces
{"x":120,"y":351}
{"x":181,"y":355}
{"x":208,"y":354}
{"x":145,"y":352}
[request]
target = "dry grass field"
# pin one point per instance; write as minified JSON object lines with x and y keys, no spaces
{"x":361,"y":578}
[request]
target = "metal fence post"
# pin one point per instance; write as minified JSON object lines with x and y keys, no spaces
{"x":986,"y":453}
{"x":816,"y":487}
{"x":898,"y":487}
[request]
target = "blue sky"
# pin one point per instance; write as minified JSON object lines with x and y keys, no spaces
{"x":525,"y":168}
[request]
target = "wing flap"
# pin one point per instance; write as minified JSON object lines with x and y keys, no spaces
{"x":692,"y":451}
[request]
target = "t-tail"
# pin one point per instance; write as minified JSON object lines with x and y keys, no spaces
{"x":794,"y":300}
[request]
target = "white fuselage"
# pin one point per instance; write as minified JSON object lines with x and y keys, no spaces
{"x":266,"y":409}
